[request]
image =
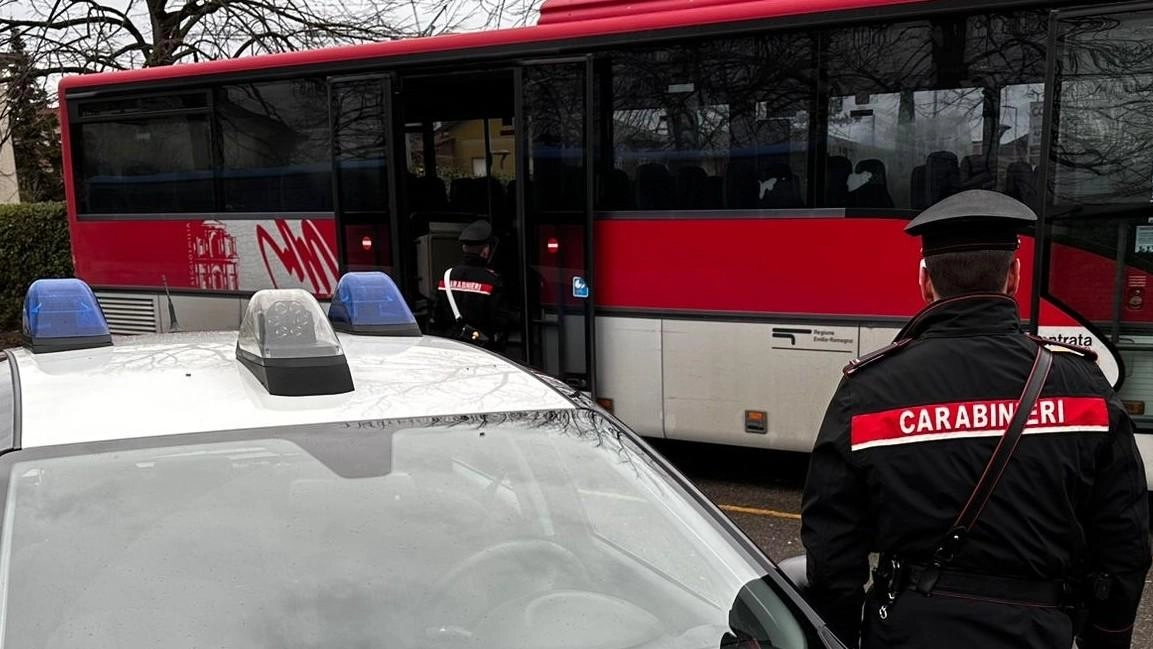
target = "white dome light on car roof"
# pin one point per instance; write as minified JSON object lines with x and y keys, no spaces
{"x":287,"y":342}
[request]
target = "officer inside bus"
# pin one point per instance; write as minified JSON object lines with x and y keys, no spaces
{"x":1060,"y":545}
{"x":470,"y":300}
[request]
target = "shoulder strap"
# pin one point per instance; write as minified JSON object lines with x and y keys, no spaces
{"x":1083,"y":351}
{"x":448,"y":292}
{"x":857,"y":364}
{"x":949,"y":546}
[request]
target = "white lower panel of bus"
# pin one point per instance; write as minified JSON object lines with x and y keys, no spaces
{"x":695,"y":380}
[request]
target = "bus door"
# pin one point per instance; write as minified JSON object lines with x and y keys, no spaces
{"x":554,"y":208}
{"x":364,"y":192}
{"x":1097,"y":259}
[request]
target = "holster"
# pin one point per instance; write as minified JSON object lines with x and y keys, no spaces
{"x":470,"y":334}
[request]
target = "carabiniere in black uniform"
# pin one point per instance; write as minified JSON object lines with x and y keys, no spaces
{"x":479,"y":294}
{"x":1062,"y":545}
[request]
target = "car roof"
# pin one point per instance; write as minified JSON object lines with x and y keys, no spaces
{"x":147,"y":386}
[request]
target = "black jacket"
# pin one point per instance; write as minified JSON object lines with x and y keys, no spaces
{"x":480,"y":295}
{"x":904,"y":442}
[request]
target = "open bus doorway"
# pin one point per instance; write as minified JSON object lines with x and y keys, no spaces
{"x":459,"y":166}
{"x":512,"y":147}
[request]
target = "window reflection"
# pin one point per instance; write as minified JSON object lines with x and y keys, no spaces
{"x":919,"y":111}
{"x":145,"y":165}
{"x":275,"y":143}
{"x":711,"y":126}
{"x":1105,"y":118}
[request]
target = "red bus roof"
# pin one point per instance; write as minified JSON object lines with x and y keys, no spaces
{"x":560,"y":20}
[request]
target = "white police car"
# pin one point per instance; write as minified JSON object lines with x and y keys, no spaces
{"x":293,"y":487}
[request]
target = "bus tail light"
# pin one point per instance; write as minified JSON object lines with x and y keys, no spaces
{"x":1135,"y":408}
{"x":756,"y":421}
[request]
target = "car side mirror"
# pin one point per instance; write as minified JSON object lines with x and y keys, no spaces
{"x":796,"y":570}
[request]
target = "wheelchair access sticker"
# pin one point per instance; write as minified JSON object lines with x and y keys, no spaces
{"x":580,"y":287}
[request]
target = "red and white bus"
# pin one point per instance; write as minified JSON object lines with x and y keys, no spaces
{"x":700,"y":203}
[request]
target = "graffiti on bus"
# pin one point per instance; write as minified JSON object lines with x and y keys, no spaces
{"x":303,"y":255}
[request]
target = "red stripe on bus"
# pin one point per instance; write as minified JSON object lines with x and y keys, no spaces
{"x":858,"y":267}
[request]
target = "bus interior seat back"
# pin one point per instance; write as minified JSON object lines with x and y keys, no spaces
{"x":874,"y":194}
{"x":618,"y":191}
{"x":741,"y":185}
{"x":780,"y":189}
{"x":1021,"y":182}
{"x":943,"y":174}
{"x":976,"y":173}
{"x":468,"y":195}
{"x":691,"y":187}
{"x":433,"y":194}
{"x":918,"y":188}
{"x":839,"y":168}
{"x":715,"y":192}
{"x":654,"y":187}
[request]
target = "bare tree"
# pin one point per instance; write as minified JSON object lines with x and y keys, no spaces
{"x":78,"y":36}
{"x":43,"y":40}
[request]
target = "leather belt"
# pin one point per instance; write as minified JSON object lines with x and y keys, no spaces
{"x":1011,"y":590}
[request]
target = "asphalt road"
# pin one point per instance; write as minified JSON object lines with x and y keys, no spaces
{"x":761,"y":492}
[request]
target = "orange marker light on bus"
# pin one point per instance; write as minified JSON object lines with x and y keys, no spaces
{"x":553,"y":245}
{"x":366,"y":242}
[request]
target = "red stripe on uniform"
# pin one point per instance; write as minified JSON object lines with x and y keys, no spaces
{"x":962,"y":419}
{"x":467,"y":287}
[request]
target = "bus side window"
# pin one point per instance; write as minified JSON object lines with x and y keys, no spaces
{"x":924,"y":109}
{"x":722,"y":124}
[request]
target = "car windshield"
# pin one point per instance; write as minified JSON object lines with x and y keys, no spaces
{"x":534,"y":530}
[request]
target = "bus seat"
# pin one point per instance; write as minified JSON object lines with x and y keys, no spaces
{"x":943,"y":174}
{"x":691,"y":187}
{"x":510,"y":199}
{"x":780,"y":189}
{"x":466,"y":195}
{"x":1021,"y":183}
{"x":573,"y":195}
{"x":654,"y":187}
{"x":715,"y":193}
{"x":413,"y":189}
{"x":918,"y":188}
{"x":839,"y":168}
{"x":491,"y":196}
{"x":874,"y":194}
{"x":618,"y":191}
{"x":741,"y":186}
{"x":433,"y":195}
{"x":976,"y":173}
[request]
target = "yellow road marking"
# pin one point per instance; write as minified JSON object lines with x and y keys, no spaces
{"x":756,"y":511}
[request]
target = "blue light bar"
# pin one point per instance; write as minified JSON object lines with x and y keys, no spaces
{"x":370,"y":303}
{"x":63,"y":314}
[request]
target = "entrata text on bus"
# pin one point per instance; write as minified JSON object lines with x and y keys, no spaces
{"x":698,"y":205}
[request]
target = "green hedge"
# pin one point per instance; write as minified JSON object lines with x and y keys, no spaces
{"x":33,"y":244}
